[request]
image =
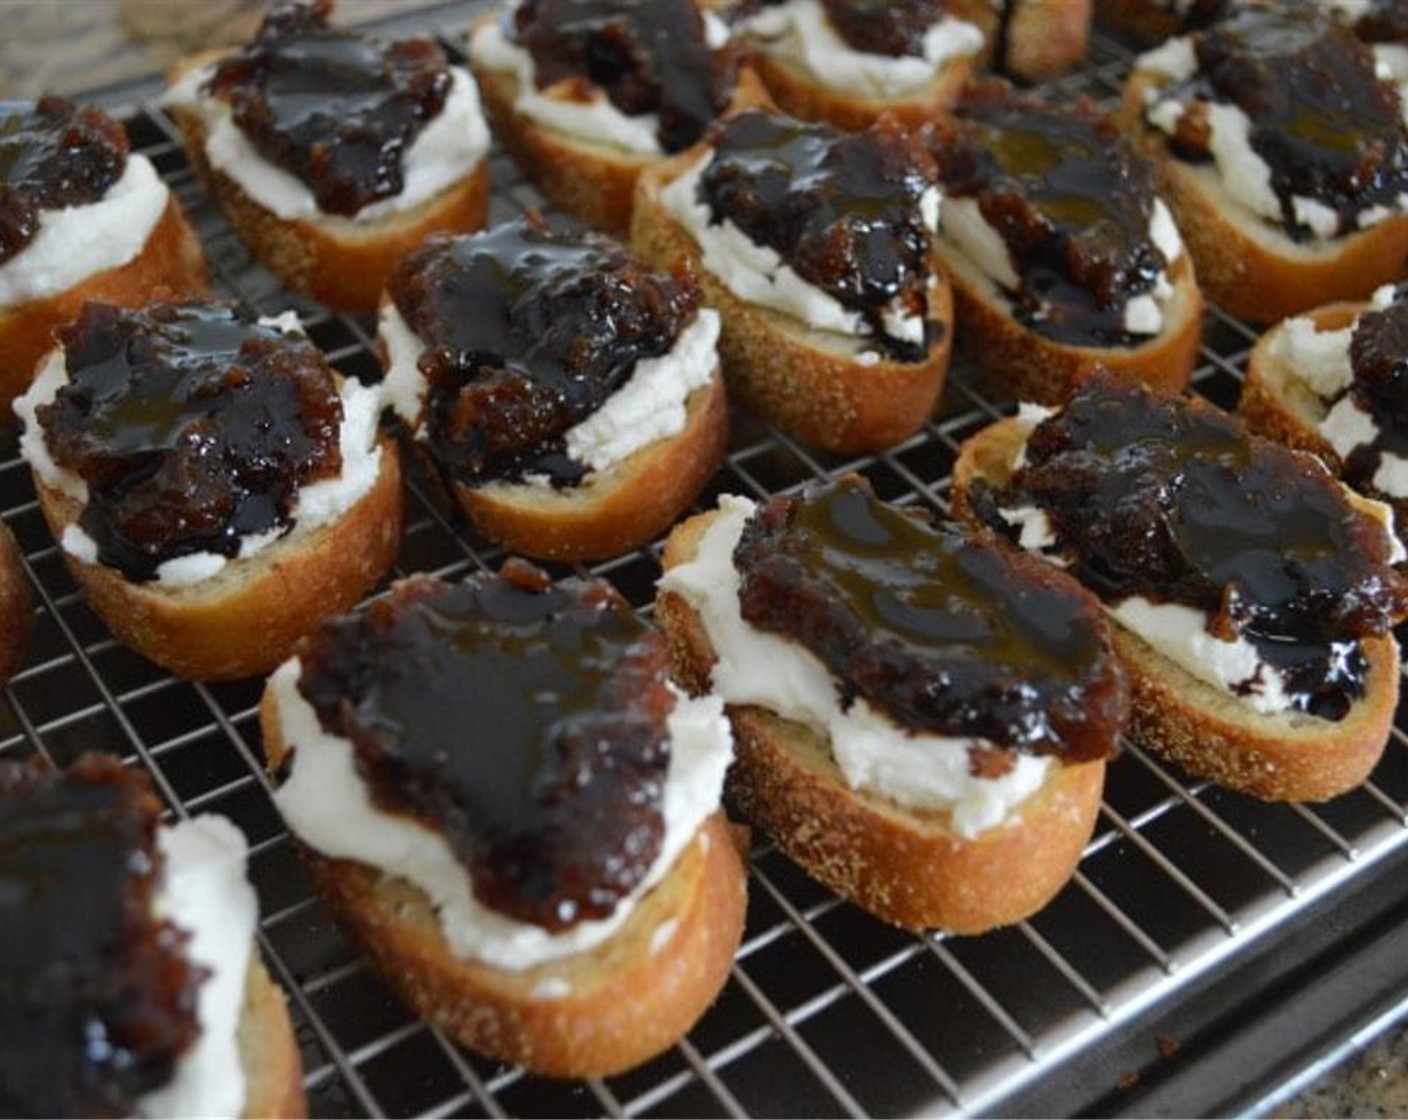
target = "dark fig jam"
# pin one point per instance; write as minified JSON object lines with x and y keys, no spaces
{"x":53,"y":155}
{"x":334,"y":108}
{"x":1070,"y":201}
{"x":946,"y":632}
{"x":97,"y":1000}
{"x":646,"y":56}
{"x":193,"y":427}
{"x":524,"y":720}
{"x":1328,"y":128}
{"x":528,"y":331}
{"x":1169,"y":499}
{"x":842,"y":209}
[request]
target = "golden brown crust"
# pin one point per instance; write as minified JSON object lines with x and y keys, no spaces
{"x":1026,"y":366}
{"x":617,"y":510}
{"x":1046,"y":38}
{"x":1280,"y":406}
{"x":171,"y":259}
{"x":903,"y":865}
{"x":803,"y":96}
{"x":339,"y":262}
{"x":594,"y":182}
{"x":627,"y":1000}
{"x":1246,"y":266}
{"x":268,"y":1053}
{"x":246,"y":620}
{"x":805,"y":381}
{"x":1277,"y":757}
{"x":16,"y":605}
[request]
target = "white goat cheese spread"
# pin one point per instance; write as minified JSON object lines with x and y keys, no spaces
{"x":76,"y":242}
{"x":327,"y":805}
{"x":875,"y":754}
{"x":595,"y":118}
{"x":757,"y":273}
{"x":650,"y":406}
{"x":800,"y":33}
{"x":205,"y":892}
{"x":447,"y":150}
{"x":317,"y":504}
{"x":1320,"y":361}
{"x":1244,"y":175}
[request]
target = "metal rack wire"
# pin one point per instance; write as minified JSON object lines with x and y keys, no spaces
{"x":827,"y":1011}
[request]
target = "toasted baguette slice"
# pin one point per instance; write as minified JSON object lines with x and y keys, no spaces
{"x":340,"y":262}
{"x":1276,"y":757}
{"x":800,"y":94}
{"x":246,"y":619}
{"x":1026,"y":366}
{"x":906,"y":866}
{"x":625,"y":1001}
{"x":1044,"y":38}
{"x":1247,"y":266}
{"x":16,"y":605}
{"x":808,"y":382}
{"x":1280,"y":406}
{"x":1034,"y":40}
{"x":1277,"y":404}
{"x":269,"y":1055}
{"x":592,"y":181}
{"x":171,"y":259}
{"x":615,"y":510}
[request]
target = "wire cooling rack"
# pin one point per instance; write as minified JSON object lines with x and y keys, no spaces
{"x":826,"y":1011}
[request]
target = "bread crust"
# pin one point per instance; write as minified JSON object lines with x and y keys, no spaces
{"x":269,"y":1055}
{"x":629,"y":999}
{"x":170,"y":259}
{"x":805,"y":381}
{"x":906,"y":866}
{"x":16,"y":605}
{"x":800,"y":94}
{"x":1045,"y":38}
{"x":1026,"y":366}
{"x":594,"y":182}
{"x":616,"y":510}
{"x":245,"y":620}
{"x":1274,"y":757}
{"x":1282,"y":407}
{"x":337,"y":262}
{"x":1247,"y":266}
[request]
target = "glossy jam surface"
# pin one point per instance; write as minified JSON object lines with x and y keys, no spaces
{"x":945,"y":632}
{"x":1378,"y":355}
{"x":1325,"y":125}
{"x":96,"y":1000}
{"x":53,"y":155}
{"x":335,"y":109}
{"x":647,"y":56}
{"x":193,"y":427}
{"x":842,"y":209}
{"x":1070,"y":201}
{"x":1169,"y":499}
{"x":524,"y":720}
{"x":528,"y":331}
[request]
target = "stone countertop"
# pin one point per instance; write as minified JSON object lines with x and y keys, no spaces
{"x":68,"y":45}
